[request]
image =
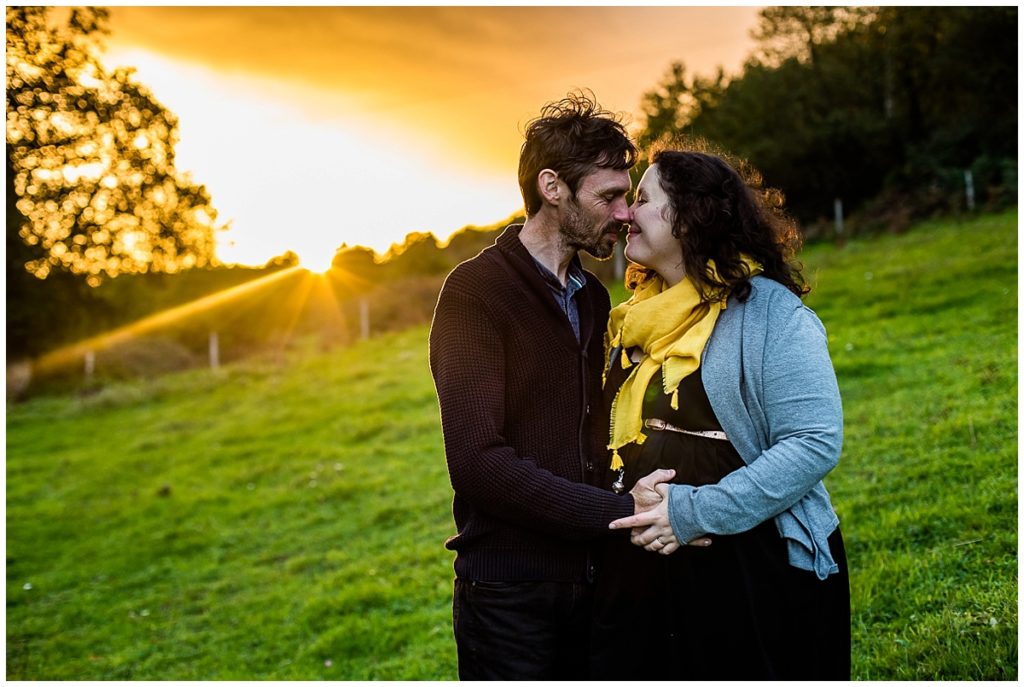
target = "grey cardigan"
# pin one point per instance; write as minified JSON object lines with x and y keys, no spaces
{"x":769,"y":378}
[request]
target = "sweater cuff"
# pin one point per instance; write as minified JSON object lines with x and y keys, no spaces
{"x":627,"y":507}
{"x":681,"y":512}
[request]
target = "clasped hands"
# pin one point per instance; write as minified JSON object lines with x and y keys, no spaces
{"x":650,"y":524}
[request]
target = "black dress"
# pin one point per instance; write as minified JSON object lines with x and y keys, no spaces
{"x":733,"y":610}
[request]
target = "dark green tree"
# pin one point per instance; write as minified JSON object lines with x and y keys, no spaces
{"x":876,"y":106}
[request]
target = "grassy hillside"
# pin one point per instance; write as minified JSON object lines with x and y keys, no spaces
{"x":286,"y":522}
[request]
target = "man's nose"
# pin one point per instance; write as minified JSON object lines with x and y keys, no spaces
{"x":623,"y":212}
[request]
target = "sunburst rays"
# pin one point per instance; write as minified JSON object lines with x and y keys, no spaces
{"x":284,"y":298}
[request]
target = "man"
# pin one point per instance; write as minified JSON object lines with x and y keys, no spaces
{"x":516,"y":349}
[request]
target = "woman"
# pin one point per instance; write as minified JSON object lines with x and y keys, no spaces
{"x":717,"y":370}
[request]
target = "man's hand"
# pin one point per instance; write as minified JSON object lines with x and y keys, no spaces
{"x":651,"y":528}
{"x":645,"y":495}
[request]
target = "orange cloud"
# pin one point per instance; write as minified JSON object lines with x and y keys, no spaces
{"x":466,"y":77}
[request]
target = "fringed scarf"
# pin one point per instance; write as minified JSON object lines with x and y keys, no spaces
{"x":671,"y":325}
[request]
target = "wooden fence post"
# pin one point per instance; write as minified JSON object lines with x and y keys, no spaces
{"x":214,"y":351}
{"x":90,"y":365}
{"x":364,"y":318}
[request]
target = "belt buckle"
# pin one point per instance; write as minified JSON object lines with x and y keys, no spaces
{"x":655,"y":424}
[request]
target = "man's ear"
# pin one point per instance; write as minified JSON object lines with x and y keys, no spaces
{"x":550,"y":186}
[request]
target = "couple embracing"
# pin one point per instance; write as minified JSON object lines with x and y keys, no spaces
{"x":638,"y":489}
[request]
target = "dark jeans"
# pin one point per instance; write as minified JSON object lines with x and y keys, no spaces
{"x":521,"y":630}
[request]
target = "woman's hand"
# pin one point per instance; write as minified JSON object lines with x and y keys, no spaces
{"x":652,"y":529}
{"x":645,"y":492}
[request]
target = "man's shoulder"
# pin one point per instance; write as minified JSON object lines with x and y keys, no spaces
{"x":474,"y":273}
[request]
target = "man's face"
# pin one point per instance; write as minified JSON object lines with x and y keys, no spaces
{"x":593,"y":219}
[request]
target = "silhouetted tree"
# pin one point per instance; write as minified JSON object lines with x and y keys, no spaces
{"x":92,"y":155}
{"x":38,"y":312}
{"x":418,"y":254}
{"x":92,"y":190}
{"x":795,"y":32}
{"x":668,"y":107}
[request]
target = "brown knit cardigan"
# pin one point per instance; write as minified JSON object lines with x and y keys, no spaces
{"x":522,"y":420}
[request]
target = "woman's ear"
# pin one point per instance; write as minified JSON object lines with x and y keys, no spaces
{"x":549,"y":186}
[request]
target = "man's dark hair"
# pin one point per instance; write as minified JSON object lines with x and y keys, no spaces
{"x":571,"y":137}
{"x":722,"y":212}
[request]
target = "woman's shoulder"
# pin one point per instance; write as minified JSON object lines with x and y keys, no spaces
{"x":766,"y":295}
{"x":770,"y":291}
{"x":777,"y":305}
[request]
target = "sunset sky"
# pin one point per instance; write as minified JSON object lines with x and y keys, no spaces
{"x":316,"y":126}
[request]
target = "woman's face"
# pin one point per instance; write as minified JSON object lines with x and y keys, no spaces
{"x":650,"y":241}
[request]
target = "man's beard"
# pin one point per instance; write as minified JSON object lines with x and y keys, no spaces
{"x":578,"y":234}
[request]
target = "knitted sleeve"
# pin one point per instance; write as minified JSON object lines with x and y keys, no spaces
{"x":800,"y":399}
{"x":468,"y":365}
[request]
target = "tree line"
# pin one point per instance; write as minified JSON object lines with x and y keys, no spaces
{"x":885,"y":109}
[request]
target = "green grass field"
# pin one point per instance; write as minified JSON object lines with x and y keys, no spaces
{"x":286,"y":521}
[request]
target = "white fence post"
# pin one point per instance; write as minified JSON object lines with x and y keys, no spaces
{"x":969,"y":188}
{"x":90,"y":365}
{"x":839,"y":216}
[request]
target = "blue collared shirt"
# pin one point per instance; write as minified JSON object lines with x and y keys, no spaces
{"x":564,"y":295}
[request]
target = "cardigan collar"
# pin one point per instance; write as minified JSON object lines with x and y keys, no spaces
{"x":529,"y":277}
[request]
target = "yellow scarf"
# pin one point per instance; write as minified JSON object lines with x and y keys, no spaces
{"x":671,"y":325}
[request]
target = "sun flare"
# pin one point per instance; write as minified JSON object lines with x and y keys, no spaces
{"x":332,"y":180}
{"x":316,"y":261}
{"x":74,"y":352}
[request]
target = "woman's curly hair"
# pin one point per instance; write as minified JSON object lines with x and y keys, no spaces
{"x":722,"y":212}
